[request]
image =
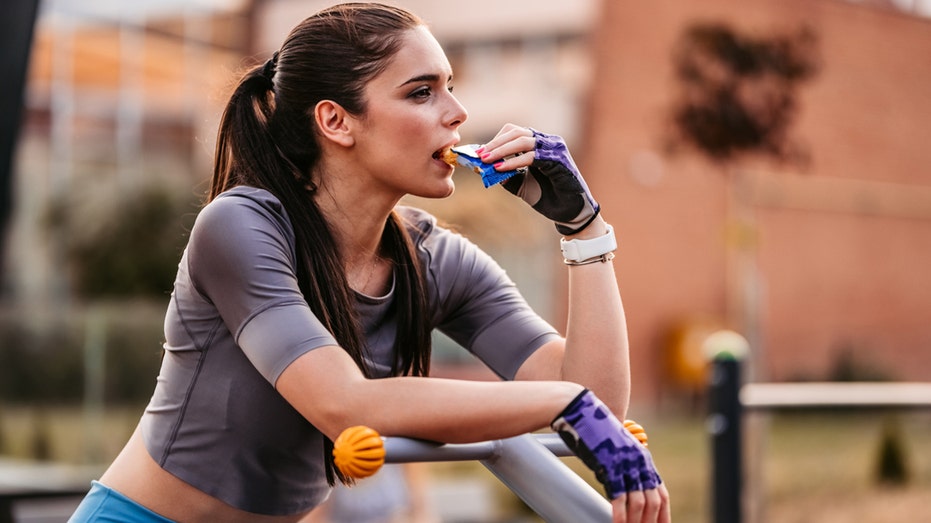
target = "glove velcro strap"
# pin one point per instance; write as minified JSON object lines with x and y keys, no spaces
{"x":567,"y":231}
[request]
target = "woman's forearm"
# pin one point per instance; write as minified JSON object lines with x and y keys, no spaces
{"x":597,"y":352}
{"x":327,"y":388}
{"x":455,"y":411}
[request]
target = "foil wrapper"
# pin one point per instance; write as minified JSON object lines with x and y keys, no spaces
{"x":466,"y":157}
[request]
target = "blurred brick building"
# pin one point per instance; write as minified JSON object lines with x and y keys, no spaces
{"x":835,"y":257}
{"x":836,"y":279}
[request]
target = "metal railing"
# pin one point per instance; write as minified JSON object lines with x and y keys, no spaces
{"x":728,"y":400}
{"x":529,"y":465}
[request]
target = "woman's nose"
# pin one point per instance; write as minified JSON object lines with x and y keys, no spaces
{"x":458,"y":114}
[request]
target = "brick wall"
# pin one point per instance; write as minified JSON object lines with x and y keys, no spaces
{"x":841,"y":250}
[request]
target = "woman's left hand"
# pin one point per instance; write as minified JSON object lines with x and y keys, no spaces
{"x":547,"y":179}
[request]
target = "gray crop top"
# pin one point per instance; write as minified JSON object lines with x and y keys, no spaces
{"x":215,"y":419}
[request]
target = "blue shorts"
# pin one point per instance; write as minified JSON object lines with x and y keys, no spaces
{"x":102,"y":504}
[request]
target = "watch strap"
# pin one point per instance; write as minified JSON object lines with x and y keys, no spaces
{"x":578,"y":251}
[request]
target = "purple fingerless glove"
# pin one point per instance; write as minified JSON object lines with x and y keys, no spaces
{"x":600,"y":440}
{"x":554,"y":187}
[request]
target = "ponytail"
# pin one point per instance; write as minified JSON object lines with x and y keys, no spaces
{"x":267,"y":140}
{"x":257,"y":146}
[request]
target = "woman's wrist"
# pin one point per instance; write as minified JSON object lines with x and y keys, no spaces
{"x":598,"y":227}
{"x":586,"y":249}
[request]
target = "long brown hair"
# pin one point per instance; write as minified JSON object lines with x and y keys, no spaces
{"x":267,"y":139}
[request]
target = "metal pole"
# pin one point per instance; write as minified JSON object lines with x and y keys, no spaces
{"x":526,"y":464}
{"x":724,"y":426}
{"x":407,"y":450}
{"x":546,"y":484}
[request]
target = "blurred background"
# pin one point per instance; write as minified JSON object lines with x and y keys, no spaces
{"x":766,"y":164}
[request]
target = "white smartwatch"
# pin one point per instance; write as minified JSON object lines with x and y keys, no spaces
{"x":583,"y":252}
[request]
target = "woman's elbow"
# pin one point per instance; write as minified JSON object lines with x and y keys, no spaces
{"x":327,"y":392}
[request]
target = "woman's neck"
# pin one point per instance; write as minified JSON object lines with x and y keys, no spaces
{"x":357,"y":219}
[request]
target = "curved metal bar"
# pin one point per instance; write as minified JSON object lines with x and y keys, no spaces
{"x":554,"y":444}
{"x":526,"y":464}
{"x":405,"y":450}
{"x":545,"y":483}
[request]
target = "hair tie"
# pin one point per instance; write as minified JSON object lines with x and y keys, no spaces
{"x":271,"y":66}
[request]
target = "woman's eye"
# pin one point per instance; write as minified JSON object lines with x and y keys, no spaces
{"x":423,"y":92}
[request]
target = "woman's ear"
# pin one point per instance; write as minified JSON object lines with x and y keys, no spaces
{"x":333,"y":122}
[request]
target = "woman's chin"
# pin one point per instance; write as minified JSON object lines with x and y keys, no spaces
{"x":438,"y":191}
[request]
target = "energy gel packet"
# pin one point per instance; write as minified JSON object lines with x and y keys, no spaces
{"x":466,"y":157}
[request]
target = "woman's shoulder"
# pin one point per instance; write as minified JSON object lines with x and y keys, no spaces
{"x":417,"y":221}
{"x":234,"y":212}
{"x":434,"y":238}
{"x":424,"y":228}
{"x":246,"y":196}
{"x":241,"y":202}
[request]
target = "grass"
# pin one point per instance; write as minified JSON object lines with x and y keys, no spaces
{"x":802,"y":467}
{"x":808,"y":467}
{"x":824,"y":468}
{"x":805,"y":467}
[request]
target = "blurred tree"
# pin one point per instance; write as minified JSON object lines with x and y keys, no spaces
{"x":739,"y":92}
{"x":47,"y":366}
{"x":120,"y":247}
{"x":39,"y":367}
{"x":738,"y":98}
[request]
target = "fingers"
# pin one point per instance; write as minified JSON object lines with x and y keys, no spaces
{"x":619,"y":509}
{"x":649,"y":506}
{"x":509,"y":133}
{"x":665,"y":510}
{"x":509,"y":148}
{"x":636,"y":502}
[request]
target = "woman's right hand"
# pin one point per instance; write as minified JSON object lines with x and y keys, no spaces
{"x":547,"y":177}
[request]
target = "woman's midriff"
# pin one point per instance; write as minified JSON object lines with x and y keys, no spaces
{"x":136,"y":475}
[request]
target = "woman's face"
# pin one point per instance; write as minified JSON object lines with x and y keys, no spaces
{"x":411,"y":115}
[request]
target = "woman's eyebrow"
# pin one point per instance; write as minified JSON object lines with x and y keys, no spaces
{"x":429,"y":78}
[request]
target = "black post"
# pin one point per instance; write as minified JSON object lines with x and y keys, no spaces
{"x":6,"y":510}
{"x":724,"y":426}
{"x":16,"y":28}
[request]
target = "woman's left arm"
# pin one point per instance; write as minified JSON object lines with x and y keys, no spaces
{"x":595,"y":351}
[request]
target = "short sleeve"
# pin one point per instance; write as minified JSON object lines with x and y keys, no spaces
{"x":478,"y":306}
{"x":241,"y":258}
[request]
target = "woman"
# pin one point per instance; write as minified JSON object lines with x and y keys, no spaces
{"x":305,"y":297}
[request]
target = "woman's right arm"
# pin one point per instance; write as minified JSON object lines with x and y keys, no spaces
{"x":329,"y":390}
